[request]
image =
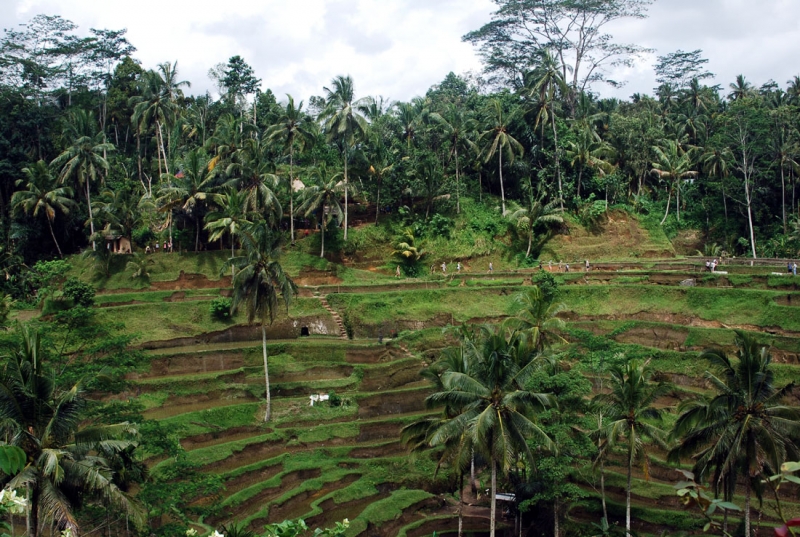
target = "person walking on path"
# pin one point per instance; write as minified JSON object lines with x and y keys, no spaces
{"x":458,"y":267}
{"x":794,"y":269}
{"x":444,"y":267}
{"x":491,"y":268}
{"x":587,"y":265}
{"x":397,"y":271}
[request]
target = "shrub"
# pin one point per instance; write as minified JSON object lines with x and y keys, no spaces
{"x":142,"y":236}
{"x":55,"y":305}
{"x":547,"y":284}
{"x":81,"y":293}
{"x":334,"y":400}
{"x":220,"y":308}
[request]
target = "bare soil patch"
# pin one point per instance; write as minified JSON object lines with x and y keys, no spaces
{"x":190,"y":281}
{"x":333,"y":512}
{"x":392,"y":403}
{"x":193,"y":403}
{"x":220,"y":437}
{"x":300,"y":504}
{"x":390,"y":377}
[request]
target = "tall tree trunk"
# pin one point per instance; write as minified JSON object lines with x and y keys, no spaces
{"x":580,"y":178}
{"x":378,"y":202}
{"x":628,"y":488}
{"x":268,"y":413}
{"x":91,"y":218}
{"x":555,"y":518}
{"x":458,"y":188}
{"x":669,"y":199}
{"x":197,"y":234}
{"x":493,"y":512}
{"x":460,"y":503}
{"x":322,"y":232}
{"x":500,"y":169}
{"x":33,"y":512}
{"x":678,"y":199}
{"x":291,"y":190}
{"x":783,"y":199}
{"x":345,"y":193}
{"x":50,"y":225}
{"x":747,"y":506}
{"x":558,"y":164}
{"x":530,"y":241}
{"x":139,"y":157}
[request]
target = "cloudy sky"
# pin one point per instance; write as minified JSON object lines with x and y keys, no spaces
{"x":399,"y":48}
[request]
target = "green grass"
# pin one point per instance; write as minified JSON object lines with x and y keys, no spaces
{"x":157,"y":320}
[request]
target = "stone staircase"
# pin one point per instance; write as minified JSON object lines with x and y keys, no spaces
{"x":335,"y":315}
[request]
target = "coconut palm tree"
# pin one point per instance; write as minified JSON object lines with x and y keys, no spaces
{"x":497,"y":140}
{"x":229,"y":218}
{"x":745,"y":428}
{"x":544,"y":86}
{"x":740,"y":89}
{"x":259,"y":283}
{"x":293,"y":128}
{"x":343,"y":123}
{"x":250,"y":170}
{"x":324,"y":194}
{"x":189,"y":189}
{"x":457,"y":451}
{"x":496,"y":414}
{"x":83,"y":160}
{"x":674,"y":164}
{"x":459,"y":126}
{"x":588,"y":151}
{"x":66,"y":465}
{"x":535,"y":321}
{"x":42,"y":196}
{"x":535,"y":211}
{"x":628,"y":407}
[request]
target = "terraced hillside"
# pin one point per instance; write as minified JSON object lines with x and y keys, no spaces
{"x":204,"y":380}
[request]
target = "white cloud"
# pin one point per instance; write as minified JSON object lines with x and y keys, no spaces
{"x":399,"y":48}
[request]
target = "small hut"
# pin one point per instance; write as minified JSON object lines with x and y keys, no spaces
{"x":118,"y":245}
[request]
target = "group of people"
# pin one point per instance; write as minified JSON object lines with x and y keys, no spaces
{"x":791,"y":267}
{"x":712,"y":265}
{"x":167,"y":248}
{"x":563,"y":267}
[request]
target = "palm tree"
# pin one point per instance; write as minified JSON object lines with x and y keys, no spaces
{"x":629,"y":407}
{"x":536,"y":321}
{"x":588,"y":151}
{"x":84,"y":160}
{"x":716,"y":163}
{"x":66,"y":462}
{"x":458,"y":126}
{"x":740,"y":89}
{"x":42,"y":196}
{"x":544,"y":85}
{"x":745,"y":428}
{"x":293,"y":127}
{"x":324,"y":195}
{"x":229,"y":218}
{"x":250,"y":171}
{"x":258,"y":284}
{"x":343,"y":123}
{"x":118,"y":209}
{"x":535,"y":212}
{"x":496,"y":414}
{"x":457,"y":452}
{"x":189,"y":189}
{"x":497,"y":140}
{"x":674,"y":165}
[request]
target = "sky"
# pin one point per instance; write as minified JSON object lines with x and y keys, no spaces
{"x":399,"y":48}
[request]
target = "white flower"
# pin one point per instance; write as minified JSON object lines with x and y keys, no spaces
{"x":217,"y":534}
{"x":191,"y":532}
{"x":15,"y":504}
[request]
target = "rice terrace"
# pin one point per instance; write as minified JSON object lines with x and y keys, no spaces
{"x":511,"y":306}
